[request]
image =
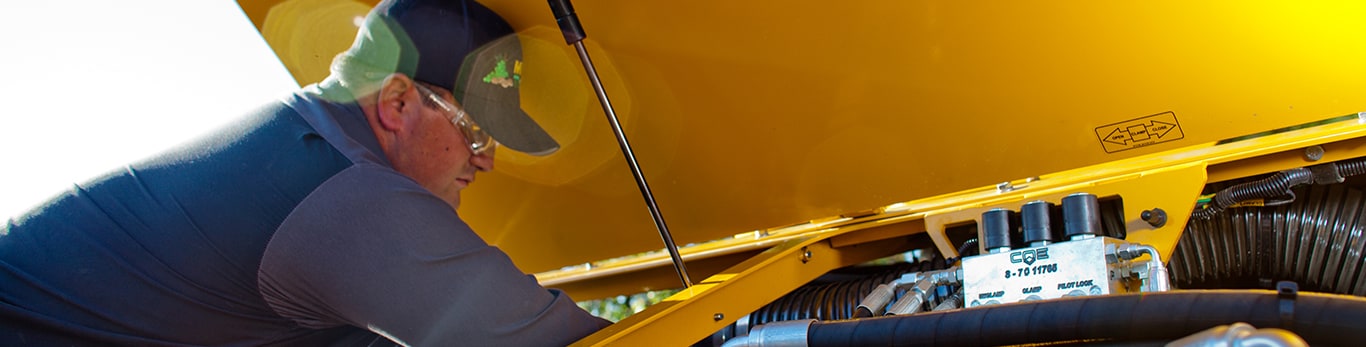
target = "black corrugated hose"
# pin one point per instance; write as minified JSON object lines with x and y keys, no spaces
{"x":1317,"y":240}
{"x":1321,"y":319}
{"x":1276,"y":186}
{"x":1352,"y":167}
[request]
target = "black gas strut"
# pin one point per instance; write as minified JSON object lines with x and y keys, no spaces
{"x":574,"y":35}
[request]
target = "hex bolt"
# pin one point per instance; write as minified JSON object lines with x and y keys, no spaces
{"x":1004,"y":187}
{"x":718,"y":317}
{"x":806,"y":255}
{"x":1313,"y":153}
{"x":1155,"y":217}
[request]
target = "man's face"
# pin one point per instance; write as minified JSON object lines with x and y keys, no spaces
{"x":434,"y":151}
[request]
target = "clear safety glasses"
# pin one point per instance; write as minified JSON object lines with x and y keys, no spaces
{"x":479,"y":141}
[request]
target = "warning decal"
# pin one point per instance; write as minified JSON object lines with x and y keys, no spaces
{"x":1139,"y":132}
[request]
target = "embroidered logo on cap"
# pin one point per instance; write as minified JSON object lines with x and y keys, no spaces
{"x":501,"y":77}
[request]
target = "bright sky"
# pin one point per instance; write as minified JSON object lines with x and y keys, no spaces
{"x":92,"y":85}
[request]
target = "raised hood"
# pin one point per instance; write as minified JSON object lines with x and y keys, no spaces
{"x":750,"y":115}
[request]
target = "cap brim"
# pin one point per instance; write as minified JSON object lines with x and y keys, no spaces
{"x":510,"y":126}
{"x":489,"y":89}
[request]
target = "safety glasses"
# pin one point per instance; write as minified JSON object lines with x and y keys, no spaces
{"x":479,"y":141}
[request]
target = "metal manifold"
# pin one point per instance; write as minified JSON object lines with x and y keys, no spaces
{"x":1085,"y":264}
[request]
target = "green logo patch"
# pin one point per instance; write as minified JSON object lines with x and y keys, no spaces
{"x":502,"y":77}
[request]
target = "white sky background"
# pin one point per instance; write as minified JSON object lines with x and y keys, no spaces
{"x":89,"y":86}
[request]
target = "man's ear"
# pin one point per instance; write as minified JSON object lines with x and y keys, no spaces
{"x":392,"y":101}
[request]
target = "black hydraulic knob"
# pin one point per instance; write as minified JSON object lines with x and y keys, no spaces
{"x":996,"y":230}
{"x":1081,"y":215}
{"x":1035,"y":220}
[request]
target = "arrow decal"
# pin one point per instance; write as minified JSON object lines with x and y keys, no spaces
{"x":1118,"y":137}
{"x":1139,"y":132}
{"x":1161,"y":128}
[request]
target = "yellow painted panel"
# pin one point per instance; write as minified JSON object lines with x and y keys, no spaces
{"x":751,"y":114}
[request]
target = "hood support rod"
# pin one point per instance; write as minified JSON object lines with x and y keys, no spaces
{"x":574,"y":35}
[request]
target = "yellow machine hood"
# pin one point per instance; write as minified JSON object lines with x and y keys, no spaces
{"x":752,"y":115}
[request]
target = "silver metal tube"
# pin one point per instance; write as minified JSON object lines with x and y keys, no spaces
{"x":777,"y":334}
{"x":1272,"y":337}
{"x":877,"y":299}
{"x":1240,"y":334}
{"x":914,"y":298}
{"x":1157,"y":272}
{"x":952,"y":302}
{"x":635,"y":167}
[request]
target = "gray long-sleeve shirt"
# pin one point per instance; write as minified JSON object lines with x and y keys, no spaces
{"x":287,"y":228}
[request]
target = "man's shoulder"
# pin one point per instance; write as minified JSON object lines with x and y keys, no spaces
{"x":368,"y":180}
{"x":372,"y":192}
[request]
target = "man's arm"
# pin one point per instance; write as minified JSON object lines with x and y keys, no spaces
{"x":371,"y":248}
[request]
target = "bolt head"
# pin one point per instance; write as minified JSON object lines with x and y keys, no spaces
{"x":1313,"y":153}
{"x":1004,"y":187}
{"x":1155,"y":217}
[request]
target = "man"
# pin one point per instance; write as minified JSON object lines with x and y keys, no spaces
{"x":326,"y":218}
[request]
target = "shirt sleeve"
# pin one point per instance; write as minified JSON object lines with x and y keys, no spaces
{"x":372,"y":249}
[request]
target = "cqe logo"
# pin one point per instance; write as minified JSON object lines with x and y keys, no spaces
{"x":1028,"y":256}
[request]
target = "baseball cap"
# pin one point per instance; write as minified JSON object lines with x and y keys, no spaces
{"x":461,"y":46}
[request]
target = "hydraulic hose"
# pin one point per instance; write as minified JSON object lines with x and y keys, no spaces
{"x":1276,"y":186}
{"x":1322,"y":319}
{"x":833,"y":300}
{"x":968,"y":248}
{"x":1316,"y":241}
{"x":1352,"y":167}
{"x":1279,"y":186}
